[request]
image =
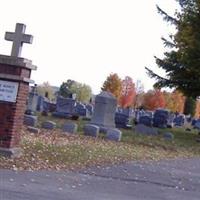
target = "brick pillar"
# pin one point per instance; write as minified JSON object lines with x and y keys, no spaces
{"x":14,"y":87}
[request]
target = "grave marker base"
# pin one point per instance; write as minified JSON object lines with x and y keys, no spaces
{"x":11,"y":152}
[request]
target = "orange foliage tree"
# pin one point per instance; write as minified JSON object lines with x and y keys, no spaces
{"x":128,"y":92}
{"x":113,"y":84}
{"x":154,"y":99}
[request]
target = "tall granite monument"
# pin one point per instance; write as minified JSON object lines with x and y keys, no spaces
{"x":15,"y":73}
{"x":104,"y":111}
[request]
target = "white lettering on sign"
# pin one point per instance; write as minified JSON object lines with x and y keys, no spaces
{"x":8,"y":91}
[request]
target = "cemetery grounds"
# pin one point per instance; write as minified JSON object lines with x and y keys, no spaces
{"x":53,"y":149}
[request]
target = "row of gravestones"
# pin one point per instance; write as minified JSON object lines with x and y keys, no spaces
{"x":63,"y":107}
{"x":162,"y":118}
{"x":71,"y":128}
{"x":103,"y":118}
{"x":68,"y":107}
{"x":150,"y":131}
{"x":90,"y":129}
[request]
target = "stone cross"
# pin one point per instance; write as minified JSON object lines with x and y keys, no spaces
{"x":18,"y":38}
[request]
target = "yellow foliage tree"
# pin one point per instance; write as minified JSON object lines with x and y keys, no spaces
{"x":113,"y":84}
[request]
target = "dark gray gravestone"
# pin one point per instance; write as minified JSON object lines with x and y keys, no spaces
{"x":30,"y":120}
{"x":91,"y":130}
{"x":127,"y":111}
{"x":104,"y":111}
{"x":48,"y":125}
{"x":114,"y":135}
{"x":146,"y":120}
{"x":161,"y":118}
{"x":145,"y":130}
{"x":64,"y":107}
{"x":40,"y":103}
{"x":179,"y":120}
{"x":90,"y":109}
{"x":168,"y":136}
{"x":33,"y":129}
{"x":32,"y":100}
{"x":70,"y":127}
{"x":80,"y":110}
{"x":43,"y":104}
{"x":52,"y":107}
{"x":194,"y":122}
{"x":121,"y":120}
{"x":197,"y":124}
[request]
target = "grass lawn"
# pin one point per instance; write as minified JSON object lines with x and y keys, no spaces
{"x":55,"y":150}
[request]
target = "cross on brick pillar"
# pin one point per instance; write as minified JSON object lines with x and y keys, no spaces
{"x":15,"y":75}
{"x":18,"y":38}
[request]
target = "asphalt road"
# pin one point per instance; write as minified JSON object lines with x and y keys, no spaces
{"x":166,"y":180}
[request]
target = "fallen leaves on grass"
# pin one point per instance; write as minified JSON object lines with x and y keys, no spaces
{"x":56,"y":150}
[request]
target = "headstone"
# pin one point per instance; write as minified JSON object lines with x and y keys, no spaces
{"x":15,"y":74}
{"x":160,"y":119}
{"x":127,"y":111}
{"x":170,"y":123}
{"x":148,"y":113}
{"x":188,"y":118}
{"x":104,"y":111}
{"x":194,"y":122}
{"x":52,"y":107}
{"x":80,"y":110}
{"x":30,"y":120}
{"x":33,"y":129}
{"x":32,"y":101}
{"x":121,"y":120}
{"x":91,"y":130}
{"x":146,"y":120}
{"x":145,"y":130}
{"x":179,"y":120}
{"x":40,"y":103}
{"x":70,"y":127}
{"x":114,"y":135}
{"x":197,"y":124}
{"x":64,"y":107}
{"x":168,"y":136}
{"x":90,"y":109}
{"x":48,"y":125}
{"x":138,"y":114}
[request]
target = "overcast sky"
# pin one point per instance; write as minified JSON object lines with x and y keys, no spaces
{"x":86,"y":40}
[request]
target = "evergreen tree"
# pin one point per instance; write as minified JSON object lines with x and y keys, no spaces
{"x":190,"y":106}
{"x":182,"y":61}
{"x":83,"y":92}
{"x":66,"y":88}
